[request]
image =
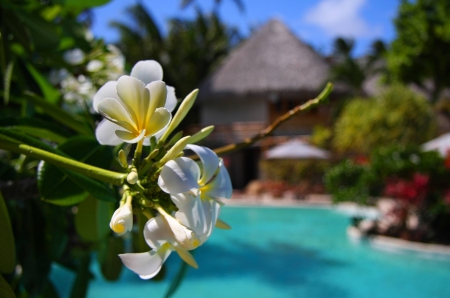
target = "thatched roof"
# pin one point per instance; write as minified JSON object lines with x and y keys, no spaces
{"x":272,"y":60}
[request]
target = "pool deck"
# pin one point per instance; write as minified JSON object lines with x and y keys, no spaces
{"x":318,"y":200}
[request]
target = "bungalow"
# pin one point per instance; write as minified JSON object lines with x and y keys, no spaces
{"x":263,"y":78}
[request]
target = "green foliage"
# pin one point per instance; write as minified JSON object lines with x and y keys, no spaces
{"x":420,"y":51}
{"x":357,"y":181}
{"x":321,"y":136}
{"x":7,"y":244}
{"x":345,"y":182}
{"x":293,"y":171}
{"x":195,"y":48}
{"x":396,"y":116}
{"x":354,"y":72}
{"x":64,"y":187}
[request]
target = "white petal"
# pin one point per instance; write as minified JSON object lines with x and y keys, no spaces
{"x":105,"y":133}
{"x":159,"y":121}
{"x":157,"y":232}
{"x":147,"y":71}
{"x":115,"y":111}
{"x":196,"y":215}
{"x":182,"y":199}
{"x":210,"y":162}
{"x":107,"y":90}
{"x":184,"y":236}
{"x":136,"y":98}
{"x":220,"y":186}
{"x":146,"y":264}
{"x":179,"y":175}
{"x":122,"y":220}
{"x":129,"y":137}
{"x":171,"y":101}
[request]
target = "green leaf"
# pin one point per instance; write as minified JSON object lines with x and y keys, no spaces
{"x":51,"y":94}
{"x":139,"y":243}
{"x":58,"y":114}
{"x":7,"y":81}
{"x":111,"y":265}
{"x":83,"y":4}
{"x":12,"y":121}
{"x":41,"y":133}
{"x":80,"y":285}
{"x":63,"y":187}
{"x":176,"y":281}
{"x":44,"y":34}
{"x":92,"y":219}
{"x":5,"y":289}
{"x":32,"y":248}
{"x":7,"y":243}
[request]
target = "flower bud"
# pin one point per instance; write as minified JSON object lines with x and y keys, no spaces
{"x":123,"y":159}
{"x":132,"y":177}
{"x":206,"y":131}
{"x":122,"y":219}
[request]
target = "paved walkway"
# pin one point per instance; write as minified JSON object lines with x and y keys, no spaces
{"x":267,"y":200}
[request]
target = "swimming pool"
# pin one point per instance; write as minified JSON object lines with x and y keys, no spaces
{"x":289,"y":252}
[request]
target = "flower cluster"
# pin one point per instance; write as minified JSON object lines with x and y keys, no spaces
{"x":412,"y":191}
{"x":179,"y":196}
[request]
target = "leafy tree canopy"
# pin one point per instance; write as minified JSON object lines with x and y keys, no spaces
{"x":396,"y":116}
{"x":419,"y":54}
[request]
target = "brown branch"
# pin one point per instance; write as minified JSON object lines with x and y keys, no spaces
{"x":312,"y":103}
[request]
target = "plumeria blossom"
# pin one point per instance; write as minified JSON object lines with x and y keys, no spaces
{"x":195,"y":189}
{"x":161,"y":233}
{"x":135,"y":107}
{"x":122,"y":220}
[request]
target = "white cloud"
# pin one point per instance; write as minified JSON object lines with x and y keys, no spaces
{"x":341,"y":18}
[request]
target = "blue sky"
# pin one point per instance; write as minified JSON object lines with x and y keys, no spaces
{"x":316,"y":22}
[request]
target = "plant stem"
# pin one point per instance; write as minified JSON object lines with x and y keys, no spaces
{"x":266,"y":132}
{"x":61,"y":161}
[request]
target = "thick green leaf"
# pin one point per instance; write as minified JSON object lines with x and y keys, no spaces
{"x":176,"y":281}
{"x":111,"y":265}
{"x":49,"y":291}
{"x":41,"y":133}
{"x":7,"y":81}
{"x":32,"y":248}
{"x":7,"y":244}
{"x":13,"y":121}
{"x":80,"y":285}
{"x":5,"y":289}
{"x":139,"y":243}
{"x":64,"y":187}
{"x":44,"y":34}
{"x":58,"y":114}
{"x":51,"y":94}
{"x":92,"y":219}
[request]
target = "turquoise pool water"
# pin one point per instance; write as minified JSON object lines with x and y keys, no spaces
{"x":287,"y":252}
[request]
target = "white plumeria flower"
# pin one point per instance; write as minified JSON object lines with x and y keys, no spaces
{"x":195,"y":190}
{"x":122,"y":219}
{"x":135,"y":107}
{"x":158,"y":234}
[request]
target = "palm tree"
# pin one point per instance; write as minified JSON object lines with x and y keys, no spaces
{"x":354,"y":72}
{"x":142,"y":40}
{"x":195,"y":47}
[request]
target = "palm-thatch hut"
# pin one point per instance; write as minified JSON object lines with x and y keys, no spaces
{"x":263,"y":78}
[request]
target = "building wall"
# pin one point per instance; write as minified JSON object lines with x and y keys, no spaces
{"x":229,"y":111}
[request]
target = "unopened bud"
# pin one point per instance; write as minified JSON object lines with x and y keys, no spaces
{"x":123,"y":159}
{"x":175,"y":150}
{"x":201,"y":134}
{"x":132,"y":177}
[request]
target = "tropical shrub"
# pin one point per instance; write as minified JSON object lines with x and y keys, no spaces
{"x":397,"y":116}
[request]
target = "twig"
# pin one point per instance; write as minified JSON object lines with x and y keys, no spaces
{"x":268,"y":130}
